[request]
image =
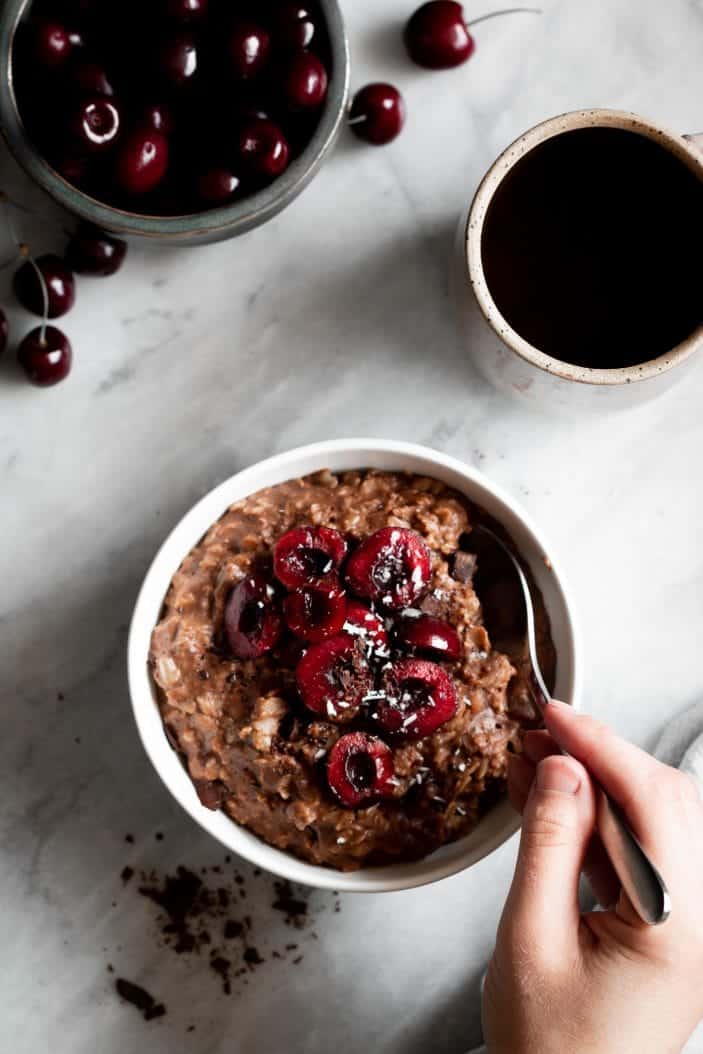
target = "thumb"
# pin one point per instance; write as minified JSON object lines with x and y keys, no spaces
{"x":558,"y":821}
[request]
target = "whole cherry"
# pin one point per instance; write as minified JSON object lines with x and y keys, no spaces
{"x":295,"y":26}
{"x":93,"y":252}
{"x":178,"y":60}
{"x":142,"y":161}
{"x":45,"y":356}
{"x":263,"y":148}
{"x":217,"y":186}
{"x":437,"y":35}
{"x":157,"y":117}
{"x":305,"y":83}
{"x":248,"y":47}
{"x":45,"y":286}
{"x":377,"y":113}
{"x":186,"y":10}
{"x":52,"y":43}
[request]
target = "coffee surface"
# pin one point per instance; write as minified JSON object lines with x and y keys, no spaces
{"x":592,"y":248}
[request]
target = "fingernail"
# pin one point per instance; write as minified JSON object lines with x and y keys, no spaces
{"x":556,"y":774}
{"x":556,"y":704}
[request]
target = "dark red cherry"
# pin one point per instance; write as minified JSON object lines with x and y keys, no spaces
{"x":392,"y":567}
{"x":92,"y":79}
{"x":305,"y":84}
{"x":248,"y":48}
{"x":252,"y":618}
{"x":157,"y":117}
{"x":96,"y":123}
{"x":52,"y":42}
{"x":58,"y":286}
{"x":315,"y":613}
{"x":334,"y":678}
{"x":432,"y":636}
{"x":437,"y":37}
{"x":217,"y":186}
{"x":178,"y":60}
{"x":419,"y":697}
{"x":365,"y":624}
{"x":360,"y":769}
{"x":264,"y":149}
{"x":4,"y":329}
{"x":294,"y":26}
{"x":142,"y":161}
{"x":45,"y":356}
{"x":309,"y":556}
{"x":377,"y":114}
{"x":93,"y":252}
{"x":185,"y":10}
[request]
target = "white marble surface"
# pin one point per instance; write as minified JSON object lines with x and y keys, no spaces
{"x":333,"y":320}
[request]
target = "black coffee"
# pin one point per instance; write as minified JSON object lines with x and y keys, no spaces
{"x":593,"y":248}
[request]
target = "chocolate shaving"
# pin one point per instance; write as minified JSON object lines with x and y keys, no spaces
{"x":139,"y":997}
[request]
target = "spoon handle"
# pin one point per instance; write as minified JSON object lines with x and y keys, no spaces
{"x":638,"y":876}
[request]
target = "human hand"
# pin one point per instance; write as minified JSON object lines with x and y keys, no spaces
{"x":604,"y":982}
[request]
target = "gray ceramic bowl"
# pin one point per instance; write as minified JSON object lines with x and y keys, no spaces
{"x":196,"y":228}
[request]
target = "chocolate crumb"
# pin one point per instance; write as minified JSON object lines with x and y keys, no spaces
{"x":191,"y":1028}
{"x":292,"y":907}
{"x":139,"y":997}
{"x":77,"y":741}
{"x":110,"y":968}
{"x":252,"y":957}
{"x":276,"y":955}
{"x":233,"y":929}
{"x":129,"y":838}
{"x":257,"y":872}
{"x":239,"y":880}
{"x":228,"y":859}
{"x":159,"y":836}
{"x":60,"y":696}
{"x":222,"y":966}
{"x":126,"y":873}
{"x":297,"y":960}
{"x":291,"y":947}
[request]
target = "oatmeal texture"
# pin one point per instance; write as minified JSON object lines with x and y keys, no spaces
{"x":249,"y":745}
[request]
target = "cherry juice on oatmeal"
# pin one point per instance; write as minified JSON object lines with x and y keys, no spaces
{"x":323,"y":668}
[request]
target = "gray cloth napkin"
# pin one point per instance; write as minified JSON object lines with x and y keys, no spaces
{"x":680,"y":745}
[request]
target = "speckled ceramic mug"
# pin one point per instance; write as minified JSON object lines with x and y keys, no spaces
{"x":500,"y":353}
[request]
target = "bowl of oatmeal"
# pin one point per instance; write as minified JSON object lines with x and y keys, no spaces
{"x":312,"y":672}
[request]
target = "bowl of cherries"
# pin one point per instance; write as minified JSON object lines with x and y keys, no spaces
{"x":182,"y":121}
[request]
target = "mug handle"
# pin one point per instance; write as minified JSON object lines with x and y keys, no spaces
{"x":697,"y":140}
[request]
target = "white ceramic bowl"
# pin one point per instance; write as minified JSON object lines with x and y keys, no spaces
{"x":338,"y":455}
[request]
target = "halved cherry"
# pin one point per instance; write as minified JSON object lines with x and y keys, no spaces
{"x":366,"y":624}
{"x":359,"y":769}
{"x":419,"y":697}
{"x":308,"y":556}
{"x":432,"y":636}
{"x":315,"y":613}
{"x":392,"y":566}
{"x":252,"y":618}
{"x":334,"y":678}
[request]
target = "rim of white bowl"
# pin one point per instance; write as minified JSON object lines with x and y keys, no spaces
{"x":500,"y":823}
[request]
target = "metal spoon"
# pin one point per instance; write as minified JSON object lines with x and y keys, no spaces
{"x":638,"y":876}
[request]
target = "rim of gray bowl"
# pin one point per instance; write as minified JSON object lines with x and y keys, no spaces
{"x":215,"y":224}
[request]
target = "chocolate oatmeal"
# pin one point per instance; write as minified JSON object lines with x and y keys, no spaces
{"x":325,"y":672}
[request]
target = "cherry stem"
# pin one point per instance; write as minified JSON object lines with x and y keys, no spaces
{"x":507,"y":11}
{"x":357,"y":120}
{"x":45,"y":298}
